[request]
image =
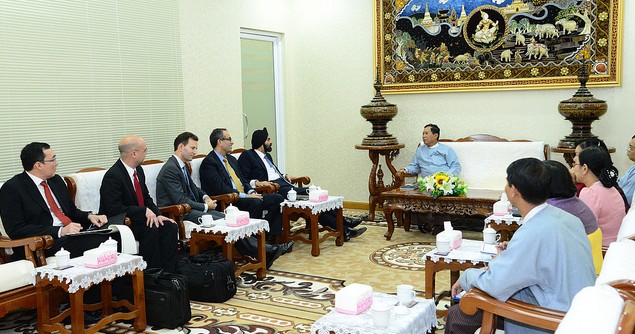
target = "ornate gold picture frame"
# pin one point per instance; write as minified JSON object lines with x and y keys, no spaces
{"x":458,"y":45}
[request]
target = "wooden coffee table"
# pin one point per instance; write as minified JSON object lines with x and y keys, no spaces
{"x":76,"y":280}
{"x":477,"y":202}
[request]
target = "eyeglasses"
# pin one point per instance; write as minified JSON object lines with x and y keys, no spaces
{"x":228,"y":138}
{"x":50,"y":160}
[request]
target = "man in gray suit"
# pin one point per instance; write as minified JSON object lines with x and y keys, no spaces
{"x":175,"y":185}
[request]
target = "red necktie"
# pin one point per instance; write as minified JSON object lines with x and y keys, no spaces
{"x":137,"y":189}
{"x":51,"y":201}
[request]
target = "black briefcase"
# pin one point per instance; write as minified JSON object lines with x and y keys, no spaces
{"x":210,"y":278}
{"x":167,"y":298}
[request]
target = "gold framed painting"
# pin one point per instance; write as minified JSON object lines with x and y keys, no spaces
{"x":459,"y":45}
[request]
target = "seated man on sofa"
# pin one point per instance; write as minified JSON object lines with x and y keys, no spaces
{"x":36,"y":202}
{"x":257,"y":166}
{"x":432,"y":156}
{"x":124,"y":190}
{"x":175,"y":186}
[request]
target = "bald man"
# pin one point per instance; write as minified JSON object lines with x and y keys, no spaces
{"x":123,"y":190}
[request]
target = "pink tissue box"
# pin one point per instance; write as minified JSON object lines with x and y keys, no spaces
{"x":318,"y":195}
{"x":99,"y":257}
{"x":354,"y":299}
{"x":239,"y":218}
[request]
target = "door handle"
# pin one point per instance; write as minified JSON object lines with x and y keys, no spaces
{"x":245,"y":126}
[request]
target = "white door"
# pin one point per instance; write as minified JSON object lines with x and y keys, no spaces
{"x":262,"y":88}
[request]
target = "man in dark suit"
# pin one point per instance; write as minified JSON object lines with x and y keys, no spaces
{"x":123,"y":190}
{"x":258,"y":167}
{"x":175,"y":185}
{"x":36,"y":202}
{"x":220,"y":174}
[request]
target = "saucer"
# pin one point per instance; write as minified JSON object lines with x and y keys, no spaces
{"x":401,"y":310}
{"x":208,"y":225}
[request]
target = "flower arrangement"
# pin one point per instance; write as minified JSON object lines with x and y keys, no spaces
{"x":442,"y":184}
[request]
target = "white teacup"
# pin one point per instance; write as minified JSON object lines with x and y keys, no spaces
{"x":406,"y":294}
{"x":206,"y":220}
{"x":381,"y":314}
{"x":292,"y":195}
{"x":62,"y":258}
{"x":490,"y":236}
{"x":313,"y":188}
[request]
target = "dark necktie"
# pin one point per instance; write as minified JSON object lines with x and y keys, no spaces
{"x":187,"y":182}
{"x":56,"y":209}
{"x":137,"y":189}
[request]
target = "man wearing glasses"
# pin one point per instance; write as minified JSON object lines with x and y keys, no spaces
{"x":220,"y":174}
{"x":124,"y":190}
{"x":36,"y":202}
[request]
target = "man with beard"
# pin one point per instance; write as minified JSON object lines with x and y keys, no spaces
{"x":258,"y":167}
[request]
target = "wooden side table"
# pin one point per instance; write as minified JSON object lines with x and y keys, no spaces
{"x":226,"y":236}
{"x":455,"y":264}
{"x":311,"y":211}
{"x":76,"y":280}
{"x":376,"y":184}
{"x":506,"y":225}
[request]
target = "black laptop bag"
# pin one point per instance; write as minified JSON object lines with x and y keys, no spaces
{"x":210,"y":278}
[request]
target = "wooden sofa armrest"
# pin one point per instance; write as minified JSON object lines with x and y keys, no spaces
{"x":475,"y":300}
{"x":32,"y":245}
{"x":224,"y":200}
{"x":271,"y":188}
{"x":300,"y":181}
{"x":177,"y":212}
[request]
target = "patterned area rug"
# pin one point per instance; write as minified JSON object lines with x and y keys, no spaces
{"x":407,"y":256}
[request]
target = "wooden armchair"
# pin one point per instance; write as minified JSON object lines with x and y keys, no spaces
{"x":21,"y":295}
{"x":618,"y":272}
{"x":299,"y":181}
{"x":222,"y":200}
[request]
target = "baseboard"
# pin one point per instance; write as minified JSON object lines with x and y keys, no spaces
{"x":358,"y":205}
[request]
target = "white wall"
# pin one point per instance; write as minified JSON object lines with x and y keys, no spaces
{"x":329,"y":73}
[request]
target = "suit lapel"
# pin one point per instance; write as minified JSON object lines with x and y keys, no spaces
{"x":175,"y":163}
{"x":33,"y":191}
{"x":127,"y":180}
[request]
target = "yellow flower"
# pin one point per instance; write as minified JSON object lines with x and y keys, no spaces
{"x":440,"y":179}
{"x":481,"y":75}
{"x":434,"y":77}
{"x":388,"y":37}
{"x":535,"y":71}
{"x":387,"y":59}
{"x":411,"y":78}
{"x":457,"y":76}
{"x":507,"y":73}
{"x":603,"y":16}
{"x":564,"y":71}
{"x":602,"y":42}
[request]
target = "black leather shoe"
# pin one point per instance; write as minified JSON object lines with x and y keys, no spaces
{"x":287,"y":248}
{"x":353,"y":232}
{"x":272,"y":255}
{"x":352,"y":222}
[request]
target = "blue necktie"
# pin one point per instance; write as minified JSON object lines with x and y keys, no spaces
{"x":187,"y":182}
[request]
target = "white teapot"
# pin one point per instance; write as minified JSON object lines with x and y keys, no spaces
{"x":231,"y":209}
{"x":292,"y":195}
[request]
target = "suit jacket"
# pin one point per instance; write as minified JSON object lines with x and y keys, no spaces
{"x":117,"y":194}
{"x":253,"y":168}
{"x":25,"y":213}
{"x":215,"y":179}
{"x":172,"y":187}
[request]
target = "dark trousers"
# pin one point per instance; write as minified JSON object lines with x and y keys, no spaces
{"x":76,"y":245}
{"x":286,"y":186}
{"x":269,"y":202}
{"x":458,"y":322}
{"x":157,"y":246}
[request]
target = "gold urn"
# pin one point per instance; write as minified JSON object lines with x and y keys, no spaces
{"x":379,"y":112}
{"x":581,"y":110}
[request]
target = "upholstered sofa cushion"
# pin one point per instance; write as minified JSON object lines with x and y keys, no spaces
{"x":196,"y":175}
{"x":627,"y":230}
{"x":88,"y":184}
{"x":595,"y":309}
{"x":618,"y":262}
{"x":484,"y":164}
{"x":16,"y":274}
{"x":152,"y":171}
